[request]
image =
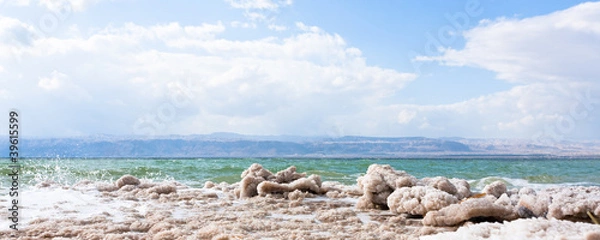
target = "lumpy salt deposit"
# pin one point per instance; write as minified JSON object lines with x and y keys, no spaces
{"x":386,"y":203}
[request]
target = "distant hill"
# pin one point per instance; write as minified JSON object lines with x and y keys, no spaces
{"x":235,"y":145}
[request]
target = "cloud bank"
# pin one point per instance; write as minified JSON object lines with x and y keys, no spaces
{"x":551,"y":59}
{"x":170,"y":78}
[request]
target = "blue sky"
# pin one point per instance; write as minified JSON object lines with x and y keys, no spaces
{"x":473,"y":68}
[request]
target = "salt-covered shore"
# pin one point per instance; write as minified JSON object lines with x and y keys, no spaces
{"x":385,"y":204}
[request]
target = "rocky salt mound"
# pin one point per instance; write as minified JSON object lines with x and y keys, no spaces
{"x":450,"y":202}
{"x":385,"y":204}
{"x":438,"y":201}
{"x":532,"y":228}
{"x":257,"y":180}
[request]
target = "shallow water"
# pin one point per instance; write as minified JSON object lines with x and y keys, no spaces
{"x":535,"y":173}
{"x":70,"y":205}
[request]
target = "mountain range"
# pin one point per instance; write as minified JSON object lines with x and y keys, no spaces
{"x":236,"y":145}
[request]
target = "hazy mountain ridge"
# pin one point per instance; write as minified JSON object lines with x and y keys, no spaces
{"x":236,"y":145}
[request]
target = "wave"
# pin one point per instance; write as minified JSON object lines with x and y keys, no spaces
{"x":479,"y":184}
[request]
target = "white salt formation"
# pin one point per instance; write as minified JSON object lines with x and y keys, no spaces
{"x":472,"y":208}
{"x":570,"y":203}
{"x":288,"y":175}
{"x":536,"y":228}
{"x":257,"y":180}
{"x":463,"y":189}
{"x":440,"y":183}
{"x":495,"y":189}
{"x":384,"y":187}
{"x":251,"y":177}
{"x":127,"y":180}
{"x":419,"y":200}
{"x":532,"y":204}
{"x":379,"y":182}
{"x":132,"y":188}
{"x":311,"y":184}
{"x":450,"y":202}
{"x":285,"y":206}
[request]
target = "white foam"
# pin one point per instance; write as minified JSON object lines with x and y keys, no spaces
{"x":57,"y":202}
{"x":478,"y":185}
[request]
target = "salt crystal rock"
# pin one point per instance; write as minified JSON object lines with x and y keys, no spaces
{"x":495,"y":189}
{"x":472,"y":208}
{"x":504,"y":199}
{"x":251,"y":177}
{"x":209,"y":184}
{"x":316,"y":179}
{"x":440,"y":183}
{"x":127,"y":180}
{"x":138,"y":226}
{"x":105,"y":187}
{"x":463,"y":188}
{"x":531,"y":204}
{"x":162,"y":189}
{"x":574,"y":202}
{"x":419,"y":200}
{"x":310,"y":184}
{"x":256,"y":170}
{"x":248,"y":186}
{"x":335,"y":194}
{"x":257,"y":180}
{"x":570,"y":203}
{"x":526,"y":191}
{"x":268,"y":187}
{"x":288,"y":175}
{"x":336,"y":215}
{"x":379,"y":182}
{"x":329,"y":186}
{"x":296,"y":195}
{"x":592,"y":235}
{"x":534,"y":228}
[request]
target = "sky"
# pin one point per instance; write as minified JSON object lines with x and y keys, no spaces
{"x":466,"y":68}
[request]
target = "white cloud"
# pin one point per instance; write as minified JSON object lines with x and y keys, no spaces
{"x":560,"y":46}
{"x":54,"y":82}
{"x":185,"y":79}
{"x":406,"y":116}
{"x":62,"y":86}
{"x":306,"y":28}
{"x":72,"y":5}
{"x":259,"y":4}
{"x":260,"y":12}
{"x":4,"y":94}
{"x":15,"y":33}
{"x":551,"y":58}
{"x":15,"y":2}
{"x":255,"y":16}
{"x":278,"y":28}
{"x":238,"y":24}
{"x":191,"y":80}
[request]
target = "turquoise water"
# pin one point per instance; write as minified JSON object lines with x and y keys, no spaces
{"x":194,"y":172}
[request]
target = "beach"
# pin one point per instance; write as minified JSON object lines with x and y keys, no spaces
{"x":384,"y":203}
{"x":283,"y":119}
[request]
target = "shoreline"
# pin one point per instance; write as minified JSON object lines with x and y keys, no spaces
{"x":287,"y":206}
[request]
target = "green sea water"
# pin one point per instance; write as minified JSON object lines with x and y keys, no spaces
{"x":537,"y":173}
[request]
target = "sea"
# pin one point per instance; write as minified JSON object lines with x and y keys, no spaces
{"x":516,"y":172}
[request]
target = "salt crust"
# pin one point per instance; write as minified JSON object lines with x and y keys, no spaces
{"x":289,"y":205}
{"x":533,"y":228}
